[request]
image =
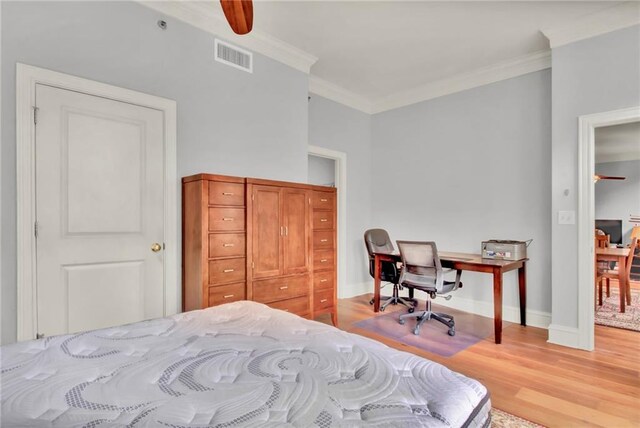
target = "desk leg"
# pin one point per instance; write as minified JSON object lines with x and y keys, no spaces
{"x":522,"y":283}
{"x":497,"y":304}
{"x":622,"y":282}
{"x":376,"y":284}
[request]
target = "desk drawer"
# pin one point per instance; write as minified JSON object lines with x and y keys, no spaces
{"x":298,"y":306}
{"x":323,"y":300}
{"x":271,"y":290}
{"x":322,"y":200}
{"x":226,"y":293}
{"x":323,"y":259}
{"x":221,"y":193}
{"x":226,"y":271}
{"x":323,"y":280}
{"x":226,"y":244}
{"x":223,"y":219}
{"x":323,"y":239}
{"x":322,"y":220}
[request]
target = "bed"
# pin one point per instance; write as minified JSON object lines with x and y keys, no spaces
{"x":239,"y":364}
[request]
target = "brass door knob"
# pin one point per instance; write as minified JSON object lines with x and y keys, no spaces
{"x":156,"y":247}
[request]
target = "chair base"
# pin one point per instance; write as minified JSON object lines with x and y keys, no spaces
{"x":426,"y":315}
{"x":410,"y":303}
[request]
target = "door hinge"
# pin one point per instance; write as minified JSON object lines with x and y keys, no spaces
{"x":35,"y":229}
{"x":35,"y":115}
{"x":39,"y":335}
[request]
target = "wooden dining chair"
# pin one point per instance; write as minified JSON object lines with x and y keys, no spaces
{"x":612,"y":273}
{"x":602,"y":241}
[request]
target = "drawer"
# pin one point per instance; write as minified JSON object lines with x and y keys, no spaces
{"x":322,"y":200}
{"x":225,"y":271}
{"x":226,"y":293}
{"x":323,"y":239}
{"x":323,"y":219}
{"x":323,"y":300}
{"x":226,"y":244}
{"x":221,"y":219}
{"x":322,"y":259}
{"x":221,"y":193}
{"x":323,"y":280}
{"x":298,"y":306}
{"x":270,"y":290}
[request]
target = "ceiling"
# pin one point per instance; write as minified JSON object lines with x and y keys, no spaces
{"x":617,"y":142}
{"x":376,"y":49}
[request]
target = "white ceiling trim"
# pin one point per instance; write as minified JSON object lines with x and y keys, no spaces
{"x":480,"y":77}
{"x":339,"y":94}
{"x":207,"y":17}
{"x":595,"y":24}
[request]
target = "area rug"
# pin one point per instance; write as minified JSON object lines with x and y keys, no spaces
{"x":433,"y":337}
{"x":609,"y":313}
{"x":500,"y":419}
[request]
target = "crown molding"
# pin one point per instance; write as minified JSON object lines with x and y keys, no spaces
{"x":207,"y":17}
{"x":601,"y":22}
{"x":479,"y":77}
{"x":339,"y":94}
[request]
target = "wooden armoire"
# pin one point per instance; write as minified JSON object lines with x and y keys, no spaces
{"x":269,"y":241}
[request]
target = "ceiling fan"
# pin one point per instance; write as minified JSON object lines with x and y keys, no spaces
{"x":239,"y":14}
{"x":598,"y":177}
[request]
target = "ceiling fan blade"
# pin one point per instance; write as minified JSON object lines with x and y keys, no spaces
{"x":608,"y":177}
{"x":239,"y":14}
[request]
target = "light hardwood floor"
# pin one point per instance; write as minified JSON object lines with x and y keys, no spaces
{"x":548,"y":384}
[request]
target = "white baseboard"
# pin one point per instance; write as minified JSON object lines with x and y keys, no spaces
{"x":509,"y":313}
{"x":565,"y":336}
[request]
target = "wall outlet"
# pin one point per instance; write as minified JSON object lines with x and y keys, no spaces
{"x":566,"y":217}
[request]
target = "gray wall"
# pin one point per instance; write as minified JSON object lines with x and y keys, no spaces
{"x":468,"y":167}
{"x":229,"y":121}
{"x":617,"y":200}
{"x":590,"y":76}
{"x":337,"y":127}
{"x":321,"y":171}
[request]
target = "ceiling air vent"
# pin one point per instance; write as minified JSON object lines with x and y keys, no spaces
{"x":234,"y":56}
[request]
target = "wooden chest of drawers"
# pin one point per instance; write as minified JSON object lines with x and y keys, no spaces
{"x":324,"y":274}
{"x":214,"y":241}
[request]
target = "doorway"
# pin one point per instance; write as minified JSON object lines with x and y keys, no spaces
{"x":97,"y":208}
{"x":321,"y":162}
{"x":588,"y":125}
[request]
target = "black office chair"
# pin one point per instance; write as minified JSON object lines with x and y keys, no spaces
{"x":378,"y":240}
{"x":422,"y":270}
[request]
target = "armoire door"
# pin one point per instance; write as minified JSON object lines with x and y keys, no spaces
{"x":296,"y":231}
{"x":267,"y":231}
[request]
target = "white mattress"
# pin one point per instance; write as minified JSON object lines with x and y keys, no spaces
{"x":240,"y":364}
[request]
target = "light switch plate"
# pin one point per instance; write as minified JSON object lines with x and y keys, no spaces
{"x":566,"y":217}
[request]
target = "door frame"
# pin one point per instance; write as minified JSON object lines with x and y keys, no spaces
{"x":586,"y":215}
{"x":27,"y":77}
{"x":340,"y":159}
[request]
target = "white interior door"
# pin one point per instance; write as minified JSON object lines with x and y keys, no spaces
{"x":99,"y":211}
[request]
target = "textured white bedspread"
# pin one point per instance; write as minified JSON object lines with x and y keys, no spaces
{"x":240,"y":364}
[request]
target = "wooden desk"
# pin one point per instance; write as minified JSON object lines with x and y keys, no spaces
{"x":474,"y":263}
{"x":617,"y":255}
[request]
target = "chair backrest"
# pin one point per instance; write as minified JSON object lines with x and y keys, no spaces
{"x":419,"y":257}
{"x":635,"y":232}
{"x":632,"y":249}
{"x":377,"y":240}
{"x":602,"y":241}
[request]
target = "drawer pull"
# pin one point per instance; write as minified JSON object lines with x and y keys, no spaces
{"x":284,"y":287}
{"x":324,"y":280}
{"x":323,"y":260}
{"x":323,"y":200}
{"x":227,"y":193}
{"x":323,"y":300}
{"x":228,"y":270}
{"x":227,"y":245}
{"x":227,"y":218}
{"x":323,"y":240}
{"x":323,"y":219}
{"x":227,"y":296}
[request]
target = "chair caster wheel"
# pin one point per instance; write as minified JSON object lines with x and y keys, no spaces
{"x":401,"y":321}
{"x":382,"y":309}
{"x":371,"y":301}
{"x":416,"y":331}
{"x":411,"y":310}
{"x":452,"y":332}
